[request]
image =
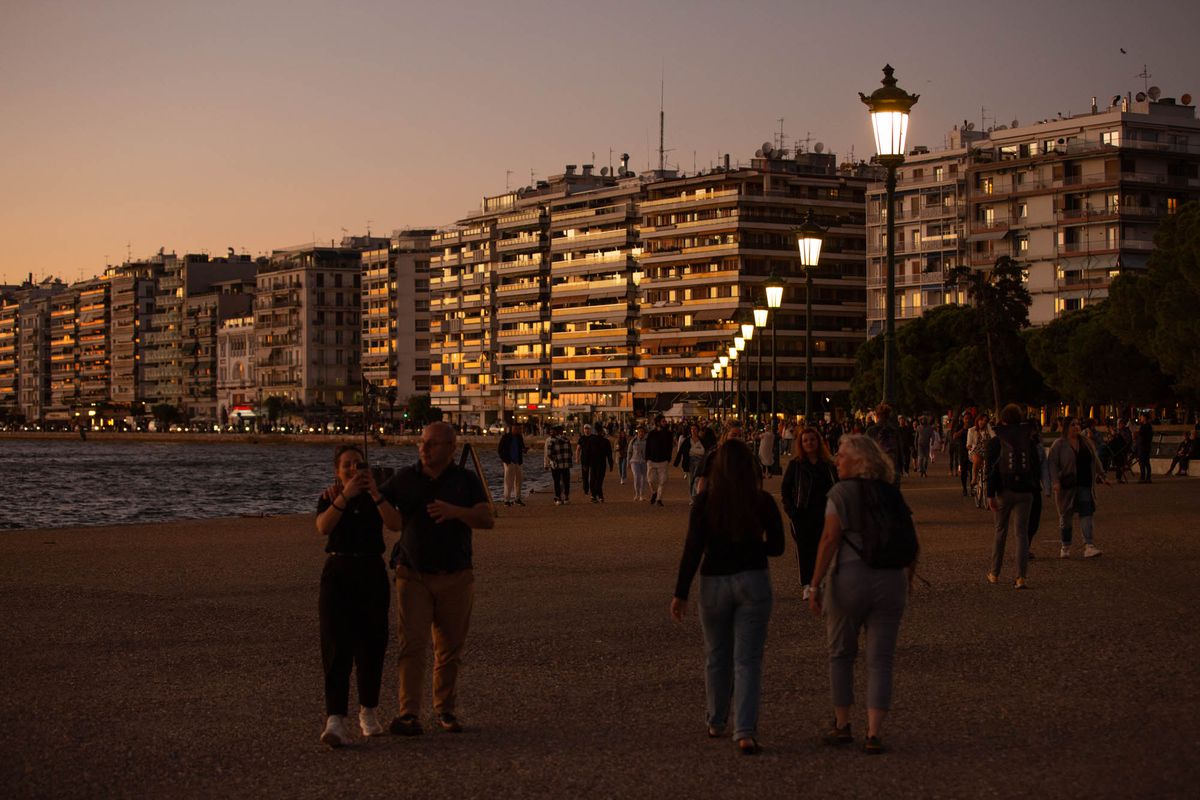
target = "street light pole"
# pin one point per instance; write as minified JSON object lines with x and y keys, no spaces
{"x":889,"y":107}
{"x":809,"y":238}
{"x":760,"y":321}
{"x":774,"y":301}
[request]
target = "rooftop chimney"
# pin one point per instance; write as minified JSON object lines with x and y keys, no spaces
{"x":587,"y":170}
{"x":570,"y":169}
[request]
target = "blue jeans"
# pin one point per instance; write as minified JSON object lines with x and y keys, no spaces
{"x":734,"y":610}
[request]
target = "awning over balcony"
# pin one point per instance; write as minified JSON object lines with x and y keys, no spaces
{"x":988,"y":236}
{"x":712,"y":314}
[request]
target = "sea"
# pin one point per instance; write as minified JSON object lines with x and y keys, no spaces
{"x":68,"y":483}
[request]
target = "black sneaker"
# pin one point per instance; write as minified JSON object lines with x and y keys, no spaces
{"x":449,"y":722}
{"x":407,"y":725}
{"x":653,"y":497}
{"x":838,"y":736}
{"x":873,"y":746}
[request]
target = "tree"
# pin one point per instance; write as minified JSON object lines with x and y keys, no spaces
{"x":1001,"y":304}
{"x":421,"y":410}
{"x":1086,"y":363}
{"x":1155,"y":311}
{"x":165,"y":415}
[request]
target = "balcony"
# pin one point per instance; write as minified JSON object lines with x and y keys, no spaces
{"x":590,"y":312}
{"x":524,"y":219}
{"x":591,"y":241}
{"x":711,"y":251}
{"x":520,"y":243}
{"x":699,"y":197}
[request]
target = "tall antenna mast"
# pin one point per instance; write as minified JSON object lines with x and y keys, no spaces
{"x":662,"y":94}
{"x":507,"y":179}
{"x":1145,"y":76}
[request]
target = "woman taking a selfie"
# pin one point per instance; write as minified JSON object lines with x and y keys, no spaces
{"x":734,"y":527}
{"x":355,"y":592}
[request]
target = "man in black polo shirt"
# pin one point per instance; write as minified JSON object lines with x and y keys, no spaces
{"x":440,"y":502}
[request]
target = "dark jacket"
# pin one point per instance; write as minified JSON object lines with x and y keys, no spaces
{"x":805,"y":486}
{"x":506,"y":446}
{"x":659,"y":443}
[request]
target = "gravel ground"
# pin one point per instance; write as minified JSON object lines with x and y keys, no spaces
{"x":181,"y":660}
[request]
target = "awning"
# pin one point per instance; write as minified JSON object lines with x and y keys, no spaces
{"x":988,"y":236}
{"x":711,"y":314}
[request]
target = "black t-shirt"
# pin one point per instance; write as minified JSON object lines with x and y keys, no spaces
{"x":360,"y":530}
{"x":426,"y":545}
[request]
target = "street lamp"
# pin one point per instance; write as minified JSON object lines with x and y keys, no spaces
{"x":739,"y":344}
{"x":747,"y":326}
{"x":889,"y":106}
{"x":723,"y":361}
{"x":809,"y":237}
{"x":760,"y":321}
{"x":733,"y":355}
{"x":774,"y":301}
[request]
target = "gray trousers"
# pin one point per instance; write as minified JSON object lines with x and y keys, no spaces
{"x":1014,"y":508}
{"x":860,"y":597}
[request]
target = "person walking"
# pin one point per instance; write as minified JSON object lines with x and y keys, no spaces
{"x":598,"y":462}
{"x":558,"y":460}
{"x":810,"y":475}
{"x":925,"y":442}
{"x":887,"y":435}
{"x":583,"y":455}
{"x":958,"y":447}
{"x":637,"y":462}
{"x":440,"y":504}
{"x":1074,"y":472}
{"x":690,"y":456}
{"x":766,"y":450}
{"x":1144,"y":447}
{"x":512,"y":452}
{"x":622,"y":453}
{"x":734,"y":527}
{"x":659,"y":446}
{"x":858,"y":595}
{"x":355,"y":595}
{"x":977,"y":438}
{"x":1013,"y":471}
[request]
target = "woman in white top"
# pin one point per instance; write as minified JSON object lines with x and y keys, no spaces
{"x":766,"y":450}
{"x":977,"y":439}
{"x":637,"y":462}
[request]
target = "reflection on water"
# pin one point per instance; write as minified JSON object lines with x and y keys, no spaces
{"x":53,"y":483}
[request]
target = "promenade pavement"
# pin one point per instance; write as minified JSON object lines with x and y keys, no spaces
{"x":182,"y":660}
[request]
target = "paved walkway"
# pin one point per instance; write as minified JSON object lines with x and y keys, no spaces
{"x":181,"y":660}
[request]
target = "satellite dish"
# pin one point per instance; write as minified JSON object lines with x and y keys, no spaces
{"x":604,"y":171}
{"x":1154,"y":92}
{"x":768,"y":149}
{"x":970,"y":126}
{"x":819,"y":147}
{"x":1015,"y":124}
{"x":1116,"y":101}
{"x":1140,"y":97}
{"x":1186,"y":99}
{"x":758,"y":153}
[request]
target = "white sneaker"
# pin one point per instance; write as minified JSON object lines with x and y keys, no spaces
{"x":805,"y":592}
{"x":334,"y":734}
{"x":1064,"y":551}
{"x":368,"y":723}
{"x":1091,"y":551}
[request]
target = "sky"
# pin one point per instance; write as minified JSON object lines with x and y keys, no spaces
{"x":126,"y":126}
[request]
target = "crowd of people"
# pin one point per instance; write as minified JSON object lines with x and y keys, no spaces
{"x":854,"y":537}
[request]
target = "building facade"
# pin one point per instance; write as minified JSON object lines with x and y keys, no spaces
{"x":1075,"y":200}
{"x":236,"y":380}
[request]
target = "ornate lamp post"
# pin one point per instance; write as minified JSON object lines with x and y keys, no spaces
{"x":760,"y":321}
{"x":809,"y":237}
{"x":889,"y":106}
{"x":739,"y":344}
{"x":733,"y":354}
{"x":774,"y":301}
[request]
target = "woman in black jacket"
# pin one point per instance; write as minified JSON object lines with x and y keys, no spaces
{"x":810,"y":475}
{"x":734,"y":527}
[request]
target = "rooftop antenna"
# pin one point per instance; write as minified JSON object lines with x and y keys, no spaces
{"x":531,"y":177}
{"x":1145,"y":76}
{"x":128,"y":251}
{"x":507,"y":179}
{"x":782,"y":144}
{"x":369,"y":228}
{"x":662,"y":117}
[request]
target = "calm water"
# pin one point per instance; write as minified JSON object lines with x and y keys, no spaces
{"x":53,"y":484}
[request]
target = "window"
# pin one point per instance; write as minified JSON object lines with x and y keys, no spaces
{"x":985,"y":185}
{"x":1172,"y":205}
{"x":989,"y":217}
{"x":1023,"y":210}
{"x":1022,"y":245}
{"x":939,"y":173}
{"x":1111,"y":138}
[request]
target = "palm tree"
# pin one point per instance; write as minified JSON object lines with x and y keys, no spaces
{"x":1001,"y":304}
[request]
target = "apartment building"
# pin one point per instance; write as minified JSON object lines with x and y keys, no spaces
{"x":236,"y":383}
{"x":93,"y":352}
{"x":1075,"y":199}
{"x":395,"y":314}
{"x":132,"y":304}
{"x":503,"y":339}
{"x":306,"y":317}
{"x":709,"y":243}
{"x":204,"y":311}
{"x":10,"y":326}
{"x":33,"y":347}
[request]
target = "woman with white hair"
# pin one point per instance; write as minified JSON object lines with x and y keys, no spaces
{"x":869,"y":576}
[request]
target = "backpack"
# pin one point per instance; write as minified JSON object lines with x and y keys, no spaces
{"x":890,"y":537}
{"x":1016,"y":471}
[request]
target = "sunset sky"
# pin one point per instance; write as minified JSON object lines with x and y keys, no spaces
{"x":129,"y":126}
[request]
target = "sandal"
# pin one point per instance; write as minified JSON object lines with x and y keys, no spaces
{"x":838,"y":736}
